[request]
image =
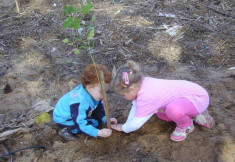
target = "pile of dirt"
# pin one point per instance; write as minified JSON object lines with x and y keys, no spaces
{"x":191,"y":40}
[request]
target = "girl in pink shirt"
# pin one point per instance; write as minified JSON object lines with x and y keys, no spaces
{"x":179,"y":101}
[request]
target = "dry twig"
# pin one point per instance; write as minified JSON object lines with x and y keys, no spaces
{"x":224,"y":14}
{"x":4,"y":135}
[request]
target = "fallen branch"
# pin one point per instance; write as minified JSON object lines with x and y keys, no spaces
{"x":224,"y":14}
{"x":19,"y":123}
{"x":8,"y":127}
{"x":4,"y":135}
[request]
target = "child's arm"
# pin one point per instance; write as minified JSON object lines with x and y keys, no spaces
{"x":132,"y":124}
{"x":100,"y":113}
{"x":78,"y":113}
{"x":135,"y":123}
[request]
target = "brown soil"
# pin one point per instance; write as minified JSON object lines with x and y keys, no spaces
{"x":37,"y":67}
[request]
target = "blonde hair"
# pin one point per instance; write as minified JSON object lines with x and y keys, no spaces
{"x":132,"y":70}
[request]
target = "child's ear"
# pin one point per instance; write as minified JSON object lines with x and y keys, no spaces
{"x":114,"y":72}
{"x":88,"y":86}
{"x":131,"y":88}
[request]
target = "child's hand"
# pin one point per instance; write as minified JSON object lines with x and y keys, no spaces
{"x":117,"y":127}
{"x":113,"y":121}
{"x":104,"y":132}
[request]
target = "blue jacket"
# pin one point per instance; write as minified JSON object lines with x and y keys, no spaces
{"x":77,"y":108}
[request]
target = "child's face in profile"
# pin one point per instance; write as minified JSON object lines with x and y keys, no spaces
{"x":96,"y":92}
{"x":131,"y":95}
{"x":128,"y":95}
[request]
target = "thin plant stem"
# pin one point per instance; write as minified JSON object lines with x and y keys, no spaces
{"x":17,"y":6}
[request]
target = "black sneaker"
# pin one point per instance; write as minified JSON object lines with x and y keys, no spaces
{"x":66,"y":135}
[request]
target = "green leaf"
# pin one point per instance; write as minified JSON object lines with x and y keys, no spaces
{"x":69,"y":10}
{"x":83,"y":47}
{"x":75,"y":24}
{"x":69,"y":64}
{"x":78,"y":39}
{"x":70,"y":44}
{"x":66,"y":10}
{"x":72,"y":9}
{"x":89,"y":28}
{"x":93,"y":18}
{"x":66,"y":40}
{"x":72,"y":23}
{"x":43,"y":118}
{"x":86,"y":8}
{"x":67,"y":22}
{"x":91,"y":34}
{"x":77,"y":51}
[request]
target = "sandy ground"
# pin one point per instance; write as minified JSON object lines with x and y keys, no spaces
{"x":169,"y":39}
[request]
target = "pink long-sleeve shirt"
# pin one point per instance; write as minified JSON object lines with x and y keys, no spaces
{"x":157,"y":93}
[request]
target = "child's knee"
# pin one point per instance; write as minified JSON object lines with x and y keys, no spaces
{"x":173,"y":112}
{"x":163,"y":116}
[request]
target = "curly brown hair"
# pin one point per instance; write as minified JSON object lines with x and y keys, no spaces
{"x":89,"y":75}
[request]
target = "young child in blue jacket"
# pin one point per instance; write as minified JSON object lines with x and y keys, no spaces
{"x":81,"y":110}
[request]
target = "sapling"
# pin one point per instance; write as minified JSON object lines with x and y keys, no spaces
{"x":82,"y":34}
{"x":17,"y":6}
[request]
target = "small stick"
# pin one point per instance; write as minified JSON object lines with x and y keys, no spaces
{"x":4,"y":135}
{"x":105,"y":98}
{"x":224,"y":14}
{"x":17,"y":6}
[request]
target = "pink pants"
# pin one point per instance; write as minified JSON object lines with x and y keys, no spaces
{"x":180,"y":111}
